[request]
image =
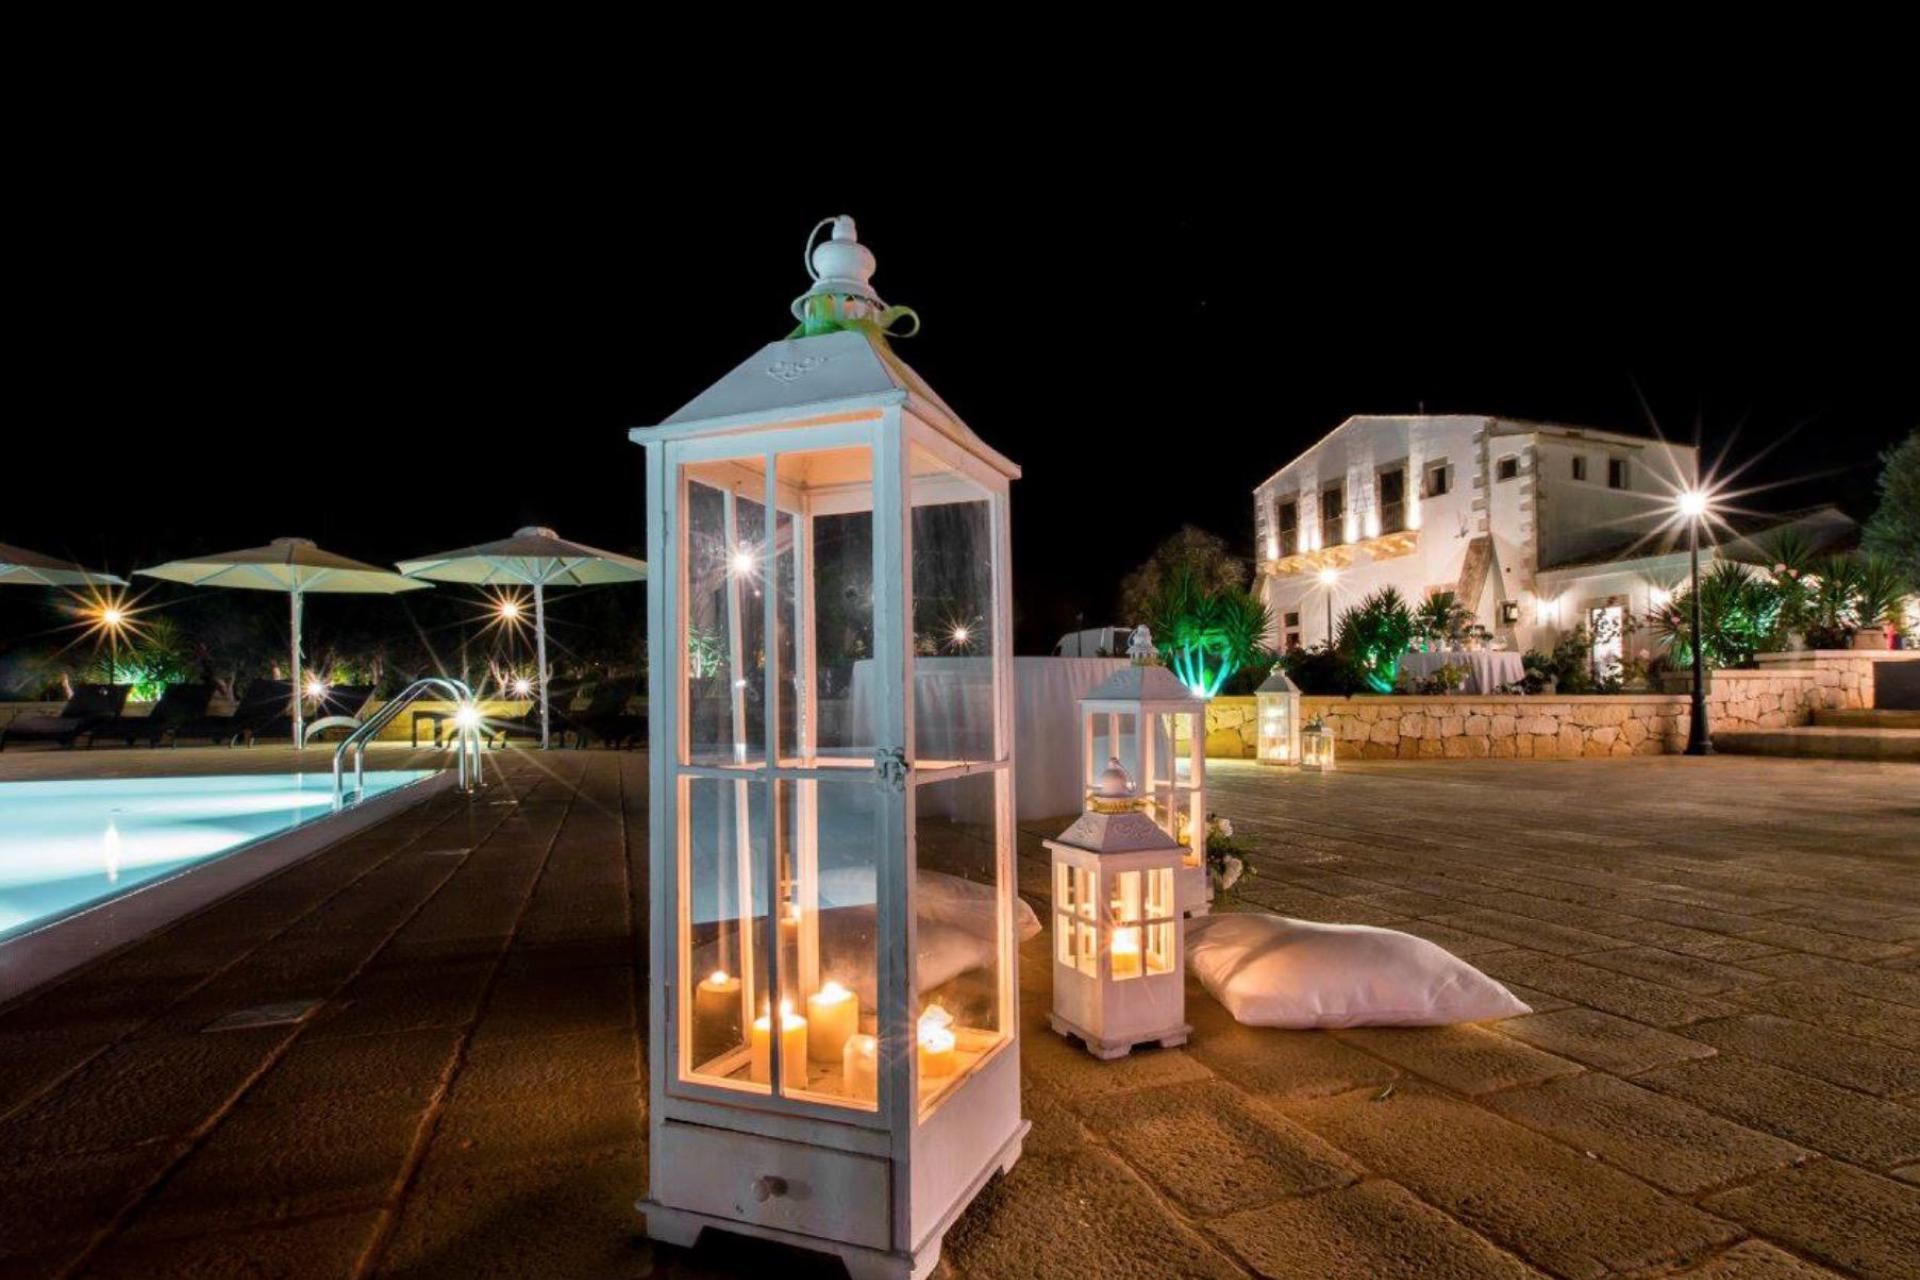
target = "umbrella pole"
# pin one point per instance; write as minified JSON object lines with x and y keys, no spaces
{"x":540,"y":654}
{"x":299,"y":709}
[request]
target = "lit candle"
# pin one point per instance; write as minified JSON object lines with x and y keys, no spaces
{"x":1126,"y":953}
{"x":793,"y":1049}
{"x":833,"y":1014}
{"x":860,"y":1067}
{"x":936,"y":1043}
{"x":716,"y":1015}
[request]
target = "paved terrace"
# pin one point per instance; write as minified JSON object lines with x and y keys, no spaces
{"x":1721,"y":1078}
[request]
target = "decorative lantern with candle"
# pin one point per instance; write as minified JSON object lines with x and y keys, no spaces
{"x":1316,"y":746}
{"x":834,"y":1049}
{"x":1119,"y":942}
{"x":1277,"y":706}
{"x":1155,"y":726}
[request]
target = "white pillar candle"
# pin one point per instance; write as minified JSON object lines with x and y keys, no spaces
{"x":716,"y":1015}
{"x":936,"y":1043}
{"x":793,"y":1049}
{"x":860,"y":1067}
{"x":833,"y":1014}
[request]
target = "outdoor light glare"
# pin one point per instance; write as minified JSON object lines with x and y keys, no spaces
{"x":510,"y":610}
{"x":316,"y":688}
{"x":1693,"y":503}
{"x":742,"y":561}
{"x":1329,"y":576}
{"x":467,"y":717}
{"x":959,"y":635}
{"x":112,"y":616}
{"x":522,"y":686}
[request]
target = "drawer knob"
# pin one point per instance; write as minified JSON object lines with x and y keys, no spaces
{"x":767,"y":1187}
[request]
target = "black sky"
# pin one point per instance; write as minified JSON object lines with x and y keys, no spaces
{"x":397,"y":341}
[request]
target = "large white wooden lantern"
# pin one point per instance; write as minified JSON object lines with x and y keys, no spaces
{"x":1316,"y":746}
{"x":1155,"y":726}
{"x":1277,"y":707}
{"x":1119,"y":944}
{"x":834,"y":1050}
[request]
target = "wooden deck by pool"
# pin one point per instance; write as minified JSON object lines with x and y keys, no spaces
{"x":1721,"y":1077}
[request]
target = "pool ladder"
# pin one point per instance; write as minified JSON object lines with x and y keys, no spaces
{"x":466,"y":736}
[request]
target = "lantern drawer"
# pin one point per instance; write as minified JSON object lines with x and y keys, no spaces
{"x":787,"y":1185}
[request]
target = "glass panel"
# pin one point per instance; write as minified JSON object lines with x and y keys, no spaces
{"x":954,"y":628}
{"x":957,"y":898}
{"x":829,"y":936}
{"x":1076,"y":897}
{"x":1172,"y":789}
{"x":723,"y":929}
{"x":831,"y":681}
{"x":1142,"y":909}
{"x":724,"y":521}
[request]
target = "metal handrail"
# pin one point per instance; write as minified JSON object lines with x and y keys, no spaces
{"x":466,"y":736}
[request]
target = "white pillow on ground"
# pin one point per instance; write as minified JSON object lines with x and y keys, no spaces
{"x":1270,"y":971}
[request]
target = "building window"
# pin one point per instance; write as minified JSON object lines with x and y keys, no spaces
{"x":1289,"y":528}
{"x":1439,"y":479}
{"x":1616,"y":473}
{"x":1292,"y":629}
{"x":1579,"y":468}
{"x":1393,"y":500}
{"x":1507,"y":468}
{"x":1333,"y":509}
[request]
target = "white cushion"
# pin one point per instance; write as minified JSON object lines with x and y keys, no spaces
{"x":965,"y":904}
{"x":1273,"y":972}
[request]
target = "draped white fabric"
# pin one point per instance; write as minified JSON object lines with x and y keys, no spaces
{"x":1487,"y":669}
{"x":953,"y":715}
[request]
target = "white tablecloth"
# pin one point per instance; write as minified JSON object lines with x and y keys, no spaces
{"x":953,"y":718}
{"x":1487,"y":669}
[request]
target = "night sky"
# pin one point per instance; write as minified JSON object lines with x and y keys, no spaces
{"x":395,"y":350}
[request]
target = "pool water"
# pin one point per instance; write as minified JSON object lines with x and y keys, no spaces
{"x":68,"y":845}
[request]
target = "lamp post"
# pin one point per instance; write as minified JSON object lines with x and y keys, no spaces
{"x":1693,"y":508}
{"x":1329,"y":577}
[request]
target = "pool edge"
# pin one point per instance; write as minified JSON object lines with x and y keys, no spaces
{"x":34,"y":959}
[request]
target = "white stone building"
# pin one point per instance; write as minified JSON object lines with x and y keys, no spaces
{"x":1536,"y":527}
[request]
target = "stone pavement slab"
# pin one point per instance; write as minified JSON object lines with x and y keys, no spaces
{"x":1720,"y":952}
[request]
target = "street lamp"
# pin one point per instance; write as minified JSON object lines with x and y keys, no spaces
{"x":1329,"y":577}
{"x":1693,"y":509}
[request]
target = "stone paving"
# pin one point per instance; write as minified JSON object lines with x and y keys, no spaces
{"x":1721,"y":1078}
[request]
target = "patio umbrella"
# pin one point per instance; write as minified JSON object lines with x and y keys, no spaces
{"x":533,"y":557}
{"x":19,"y":566}
{"x":292,"y":565}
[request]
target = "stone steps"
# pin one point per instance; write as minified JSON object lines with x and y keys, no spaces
{"x":1868,"y":719}
{"x":1826,"y":742}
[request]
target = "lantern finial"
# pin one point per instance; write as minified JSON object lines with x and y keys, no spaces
{"x":1140,"y":646}
{"x":842,"y":295}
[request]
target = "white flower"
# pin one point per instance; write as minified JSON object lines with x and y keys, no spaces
{"x":1226,"y":827}
{"x":1230,"y":872}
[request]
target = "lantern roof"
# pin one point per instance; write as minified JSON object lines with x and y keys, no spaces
{"x":1141,"y":684}
{"x":1277,"y":682}
{"x":1130,"y":831}
{"x":811,"y":375}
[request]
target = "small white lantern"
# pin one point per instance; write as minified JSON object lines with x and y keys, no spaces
{"x":1277,"y":706}
{"x":1155,"y":726}
{"x":1316,"y":746}
{"x":1119,"y":941}
{"x":817,"y":522}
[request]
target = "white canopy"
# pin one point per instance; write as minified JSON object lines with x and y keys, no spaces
{"x":534,"y":557}
{"x":295,"y":566}
{"x":21,"y":567}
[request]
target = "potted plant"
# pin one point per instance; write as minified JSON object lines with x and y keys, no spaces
{"x":1880,"y":596}
{"x":1832,"y":588}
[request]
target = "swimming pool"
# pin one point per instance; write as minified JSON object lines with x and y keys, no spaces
{"x":69,"y":845}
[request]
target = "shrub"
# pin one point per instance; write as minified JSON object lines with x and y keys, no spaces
{"x":1374,"y":635}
